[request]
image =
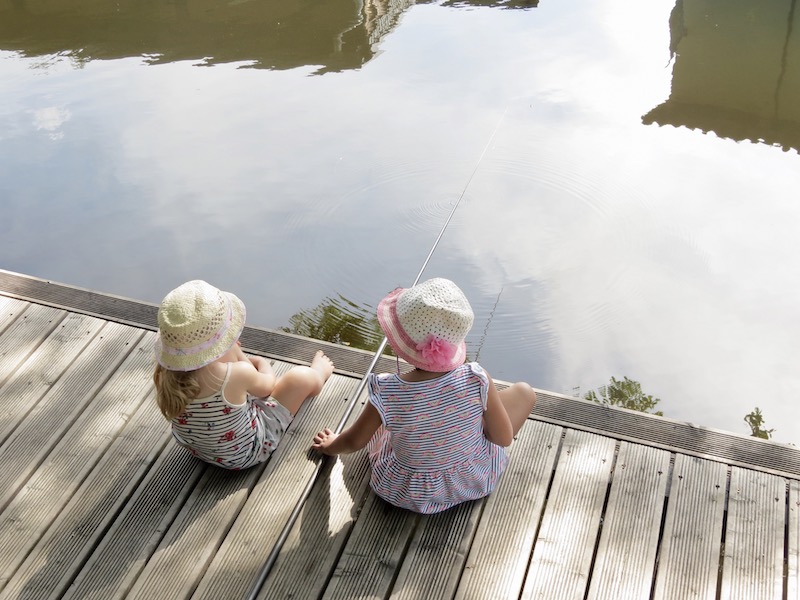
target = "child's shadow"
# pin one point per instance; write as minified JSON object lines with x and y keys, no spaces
{"x":322,"y":527}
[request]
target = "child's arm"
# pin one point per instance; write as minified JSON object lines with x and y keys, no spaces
{"x":254,"y":376}
{"x":496,"y":424}
{"x":264,"y":383}
{"x":351,"y":439}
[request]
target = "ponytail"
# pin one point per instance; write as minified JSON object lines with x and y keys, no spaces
{"x":174,"y":390}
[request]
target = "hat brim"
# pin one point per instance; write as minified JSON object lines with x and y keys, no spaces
{"x":403,"y":345}
{"x":191,"y":361}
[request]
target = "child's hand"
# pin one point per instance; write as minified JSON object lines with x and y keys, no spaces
{"x":323,"y":440}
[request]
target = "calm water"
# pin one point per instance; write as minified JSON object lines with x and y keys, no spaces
{"x":626,"y":174}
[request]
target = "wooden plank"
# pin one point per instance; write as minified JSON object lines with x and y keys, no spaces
{"x":754,"y":538}
{"x":10,"y":310}
{"x":195,"y":535}
{"x":374,"y":552}
{"x":17,"y":343}
{"x":436,"y":555}
{"x":668,"y":434}
{"x":554,"y":408}
{"x":199,"y":528}
{"x":625,"y":561}
{"x":127,"y":311}
{"x":48,"y":490}
{"x":563,"y":552}
{"x":58,"y":556}
{"x":119,"y":558}
{"x":243,"y":551}
{"x":313,"y":546}
{"x":141,"y":315}
{"x":310,"y":554}
{"x":500,"y":552}
{"x":690,"y":553}
{"x":793,"y":535}
{"x":46,"y":364}
{"x":133,"y":554}
{"x":54,"y":414}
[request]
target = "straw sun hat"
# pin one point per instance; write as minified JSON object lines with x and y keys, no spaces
{"x":426,"y":325}
{"x":197,"y":324}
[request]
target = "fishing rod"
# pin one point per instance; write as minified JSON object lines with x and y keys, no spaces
{"x":287,"y":528}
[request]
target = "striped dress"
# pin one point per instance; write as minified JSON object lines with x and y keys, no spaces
{"x":233,"y":436}
{"x":431,"y":452}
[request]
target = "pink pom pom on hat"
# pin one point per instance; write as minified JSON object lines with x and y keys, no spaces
{"x":426,"y":325}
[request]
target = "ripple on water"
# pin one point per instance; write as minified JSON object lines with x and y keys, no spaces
{"x":396,"y":198}
{"x":591,"y":229}
{"x":589,"y":232}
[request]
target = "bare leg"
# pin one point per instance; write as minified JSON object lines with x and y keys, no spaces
{"x":301,"y":383}
{"x":518,"y":400}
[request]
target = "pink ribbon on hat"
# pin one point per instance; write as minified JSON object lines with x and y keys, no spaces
{"x":438,"y":353}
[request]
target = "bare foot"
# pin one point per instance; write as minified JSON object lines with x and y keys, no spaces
{"x":322,"y":365}
{"x":300,"y":383}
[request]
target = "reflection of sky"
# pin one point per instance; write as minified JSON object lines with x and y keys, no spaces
{"x":608,"y":247}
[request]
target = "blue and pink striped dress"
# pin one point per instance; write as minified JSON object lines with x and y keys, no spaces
{"x":431,"y":453}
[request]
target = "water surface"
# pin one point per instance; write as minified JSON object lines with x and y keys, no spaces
{"x":625,"y":174}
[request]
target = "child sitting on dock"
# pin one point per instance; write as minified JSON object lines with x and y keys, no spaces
{"x":226,"y":408}
{"x":435,"y":434}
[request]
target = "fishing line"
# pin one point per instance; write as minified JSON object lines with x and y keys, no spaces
{"x":488,"y":323}
{"x":284,"y":535}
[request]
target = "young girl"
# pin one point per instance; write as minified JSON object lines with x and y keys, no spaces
{"x":224,"y":407}
{"x":439,"y":430}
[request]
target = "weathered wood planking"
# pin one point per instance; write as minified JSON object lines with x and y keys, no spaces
{"x":558,"y":409}
{"x":248,"y":543}
{"x":399,"y":554}
{"x":69,"y":542}
{"x":62,"y":404}
{"x":24,"y":327}
{"x":211,"y":510}
{"x":564,"y":548}
{"x":313,"y":546}
{"x":436,"y":554}
{"x":626,"y":554}
{"x":793,"y":539}
{"x":193,"y":537}
{"x":32,"y":356}
{"x":304,"y":566}
{"x":754,"y":536}
{"x":10,"y":310}
{"x":277,"y":344}
{"x":690,"y":551}
{"x":498,"y":558}
{"x":374,"y":552}
{"x":114,"y":566}
{"x":100,"y":503}
{"x":31,"y":510}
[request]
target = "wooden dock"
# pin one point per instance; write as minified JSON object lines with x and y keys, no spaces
{"x":96,"y":501}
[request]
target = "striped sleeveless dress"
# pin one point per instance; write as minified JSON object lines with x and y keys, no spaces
{"x":233,"y":436}
{"x":431,"y":453}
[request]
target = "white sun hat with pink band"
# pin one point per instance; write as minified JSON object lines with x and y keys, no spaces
{"x":197,"y":324}
{"x":426,"y":325}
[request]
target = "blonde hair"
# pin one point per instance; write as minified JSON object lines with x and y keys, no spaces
{"x":174,"y":390}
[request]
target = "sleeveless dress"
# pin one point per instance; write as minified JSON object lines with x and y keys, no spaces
{"x":233,"y":436}
{"x":431,"y":452}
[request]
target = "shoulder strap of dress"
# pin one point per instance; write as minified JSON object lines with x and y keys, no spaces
{"x":225,"y":379}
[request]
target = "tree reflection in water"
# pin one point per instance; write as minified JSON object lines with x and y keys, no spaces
{"x":340,"y":321}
